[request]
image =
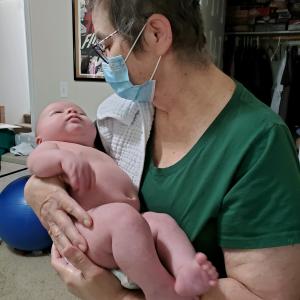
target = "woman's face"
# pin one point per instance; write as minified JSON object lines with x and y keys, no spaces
{"x":140,"y":63}
{"x":103,"y":28}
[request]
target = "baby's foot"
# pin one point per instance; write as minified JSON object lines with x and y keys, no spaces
{"x":196,"y":277}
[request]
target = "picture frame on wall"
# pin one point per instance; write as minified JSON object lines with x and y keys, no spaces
{"x":87,"y":64}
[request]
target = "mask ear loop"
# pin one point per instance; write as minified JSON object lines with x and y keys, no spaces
{"x":155,"y":69}
{"x":136,"y":40}
{"x":132,"y":47}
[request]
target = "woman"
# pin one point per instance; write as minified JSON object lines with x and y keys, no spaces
{"x":218,"y":161}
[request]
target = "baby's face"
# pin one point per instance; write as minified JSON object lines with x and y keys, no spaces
{"x":65,"y":121}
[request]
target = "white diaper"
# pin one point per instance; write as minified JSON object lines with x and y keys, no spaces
{"x":125,"y":281}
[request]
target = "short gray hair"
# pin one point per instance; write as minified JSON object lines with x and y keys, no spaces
{"x":189,"y":40}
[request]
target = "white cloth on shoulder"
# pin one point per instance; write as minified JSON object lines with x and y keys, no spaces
{"x":124,"y":127}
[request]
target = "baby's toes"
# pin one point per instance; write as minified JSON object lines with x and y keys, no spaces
{"x":213,"y":282}
{"x":201,"y":258}
{"x":207,"y":266}
{"x":212,"y":273}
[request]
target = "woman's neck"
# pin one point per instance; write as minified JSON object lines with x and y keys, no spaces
{"x":186,"y":105}
{"x":195,"y":96}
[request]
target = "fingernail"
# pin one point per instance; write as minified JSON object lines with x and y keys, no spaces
{"x":87,"y":222}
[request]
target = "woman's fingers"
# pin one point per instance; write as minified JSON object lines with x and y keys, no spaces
{"x":58,"y":237}
{"x":58,"y":263}
{"x":56,"y":215}
{"x":69,"y":233}
{"x":69,"y":205}
{"x":59,"y":199}
{"x":54,"y":253}
{"x":83,"y":278}
{"x":61,"y":266}
{"x":81,"y":262}
{"x":61,"y":227}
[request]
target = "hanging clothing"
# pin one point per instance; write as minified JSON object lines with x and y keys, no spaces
{"x":276,"y":99}
{"x":250,"y":65}
{"x":289,"y":108}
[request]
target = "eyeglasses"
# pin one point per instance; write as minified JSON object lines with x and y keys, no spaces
{"x":100,"y":46}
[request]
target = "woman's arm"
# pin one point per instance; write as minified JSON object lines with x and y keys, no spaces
{"x":268,"y":274}
{"x":263,"y":274}
{"x":54,"y":207}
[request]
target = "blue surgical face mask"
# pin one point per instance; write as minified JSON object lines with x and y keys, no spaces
{"x":116,"y":74}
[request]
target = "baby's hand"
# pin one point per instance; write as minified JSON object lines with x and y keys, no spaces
{"x":78,"y":172}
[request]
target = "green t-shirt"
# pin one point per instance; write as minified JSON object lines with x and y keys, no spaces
{"x":238,"y":187}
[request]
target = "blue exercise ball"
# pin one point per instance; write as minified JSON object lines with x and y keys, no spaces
{"x":19,"y":226}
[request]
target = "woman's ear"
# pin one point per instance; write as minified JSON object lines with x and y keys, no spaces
{"x":158,"y":35}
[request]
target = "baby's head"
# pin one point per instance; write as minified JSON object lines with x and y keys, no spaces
{"x":67,"y":122}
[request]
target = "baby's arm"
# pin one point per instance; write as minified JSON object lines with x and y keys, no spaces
{"x":46,"y":160}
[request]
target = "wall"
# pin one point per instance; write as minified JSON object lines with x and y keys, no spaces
{"x":14,"y":84}
{"x":213,"y":12}
{"x":50,"y":47}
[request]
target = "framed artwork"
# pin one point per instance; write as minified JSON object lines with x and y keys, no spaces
{"x":87,"y":64}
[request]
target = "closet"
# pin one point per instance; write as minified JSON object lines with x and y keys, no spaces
{"x":262,"y":51}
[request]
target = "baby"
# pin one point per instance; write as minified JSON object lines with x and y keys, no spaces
{"x":147,"y":247}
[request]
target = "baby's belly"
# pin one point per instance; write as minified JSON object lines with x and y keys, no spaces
{"x":112,"y":185}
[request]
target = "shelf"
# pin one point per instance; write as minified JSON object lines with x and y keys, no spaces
{"x":263,"y":33}
{"x":14,"y":159}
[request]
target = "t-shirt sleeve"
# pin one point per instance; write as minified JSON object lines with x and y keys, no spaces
{"x":262,"y":207}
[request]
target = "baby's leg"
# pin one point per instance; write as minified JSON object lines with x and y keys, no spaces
{"x":193,"y":272}
{"x":121,"y":237}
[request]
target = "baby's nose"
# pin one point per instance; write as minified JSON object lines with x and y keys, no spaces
{"x":72,"y":110}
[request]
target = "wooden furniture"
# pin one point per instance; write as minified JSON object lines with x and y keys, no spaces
{"x":2,"y":114}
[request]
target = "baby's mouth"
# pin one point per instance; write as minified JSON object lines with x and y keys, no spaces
{"x":73,"y":118}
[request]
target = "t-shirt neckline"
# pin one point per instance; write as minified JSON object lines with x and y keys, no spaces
{"x":202,"y":141}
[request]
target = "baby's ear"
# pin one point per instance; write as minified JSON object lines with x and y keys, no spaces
{"x":38,"y":140}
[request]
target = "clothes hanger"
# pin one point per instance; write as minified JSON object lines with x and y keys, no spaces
{"x":276,"y":50}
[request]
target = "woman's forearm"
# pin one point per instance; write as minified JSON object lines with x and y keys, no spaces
{"x":229,"y":289}
{"x":37,"y":191}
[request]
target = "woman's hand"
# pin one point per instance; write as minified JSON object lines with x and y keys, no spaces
{"x":84,"y":279}
{"x":55,"y":207}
